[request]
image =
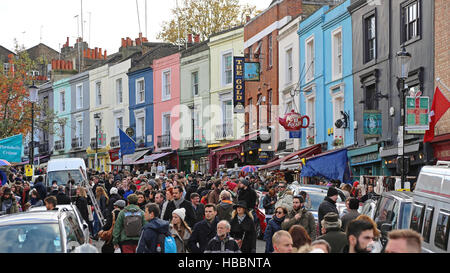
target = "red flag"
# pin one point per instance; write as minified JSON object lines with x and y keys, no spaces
{"x":438,"y":108}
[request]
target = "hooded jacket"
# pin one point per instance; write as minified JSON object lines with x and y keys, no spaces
{"x":149,"y":235}
{"x":225,"y":210}
{"x":273,"y":226}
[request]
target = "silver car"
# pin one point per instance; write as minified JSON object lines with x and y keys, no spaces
{"x":42,"y":232}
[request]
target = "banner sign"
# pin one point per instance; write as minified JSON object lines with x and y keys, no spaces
{"x":11,"y":149}
{"x":372,"y":123}
{"x":417,"y":109}
{"x":252,"y":71}
{"x":238,"y":85}
{"x":295,"y":134}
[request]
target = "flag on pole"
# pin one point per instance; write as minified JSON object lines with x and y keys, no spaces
{"x":439,"y":106}
{"x":127,"y":144}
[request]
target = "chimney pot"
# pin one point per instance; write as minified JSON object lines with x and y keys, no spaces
{"x":190,"y":38}
{"x":197,"y":38}
{"x":247,"y":18}
{"x":100,"y":53}
{"x":104,"y":55}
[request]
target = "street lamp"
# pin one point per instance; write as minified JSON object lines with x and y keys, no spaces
{"x":403,"y":60}
{"x":193,"y":128}
{"x":96,"y":118}
{"x":33,"y":98}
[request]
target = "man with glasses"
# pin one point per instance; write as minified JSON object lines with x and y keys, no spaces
{"x":273,"y":226}
{"x":299,"y":215}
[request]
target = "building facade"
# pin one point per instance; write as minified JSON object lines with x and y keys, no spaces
{"x":62,"y":107}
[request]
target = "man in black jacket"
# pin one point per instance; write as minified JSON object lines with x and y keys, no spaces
{"x":62,"y":197}
{"x":222,"y":242}
{"x":328,"y":205}
{"x":179,"y":202}
{"x":40,"y":187}
{"x":247,"y":194}
{"x":199,"y":208}
{"x":204,"y":230}
{"x":151,"y":230}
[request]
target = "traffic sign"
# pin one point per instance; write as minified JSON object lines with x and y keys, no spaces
{"x":28,"y":170}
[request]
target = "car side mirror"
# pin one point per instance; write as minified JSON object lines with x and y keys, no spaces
{"x":386,"y":227}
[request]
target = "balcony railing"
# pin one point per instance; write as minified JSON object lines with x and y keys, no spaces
{"x":163,"y":141}
{"x":115,"y":141}
{"x":188,"y":143}
{"x":43,"y":147}
{"x":224,"y":131}
{"x":59,"y":145}
{"x":77,"y":143}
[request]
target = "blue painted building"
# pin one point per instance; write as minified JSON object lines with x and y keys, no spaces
{"x":62,"y":107}
{"x":326,"y":79}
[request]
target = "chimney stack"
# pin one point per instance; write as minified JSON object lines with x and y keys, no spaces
{"x":247,"y":18}
{"x":104,"y":55}
{"x":190,"y":38}
{"x":197,"y":38}
{"x":100,"y":53}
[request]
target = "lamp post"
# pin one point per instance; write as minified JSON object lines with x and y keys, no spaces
{"x":97,"y":118}
{"x":33,"y":98}
{"x":403,"y":61}
{"x":193,"y":128}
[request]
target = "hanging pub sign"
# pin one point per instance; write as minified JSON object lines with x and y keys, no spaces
{"x":417,"y":110}
{"x":238,"y":85}
{"x":293,"y":121}
{"x":372,"y":123}
{"x":251,"y":71}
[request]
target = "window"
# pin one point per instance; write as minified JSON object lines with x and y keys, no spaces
{"x":119,"y":125}
{"x":250,"y":53}
{"x":166,"y":124}
{"x":5,"y":68}
{"x":260,"y":111}
{"x":79,"y":94}
{"x":417,"y":217}
{"x":428,"y":219}
{"x":270,"y":47}
{"x":269,"y":107}
{"x":119,"y":91}
{"x":258,"y":49}
{"x":98,"y":93}
{"x":62,"y":101}
{"x":140,"y":91}
{"x":309,"y":59}
{"x":311,"y":113}
{"x":250,"y":113}
{"x":410,"y":21}
{"x":79,"y":128}
{"x":337,"y":54}
{"x":442,"y":230}
{"x":289,"y":62}
{"x":63,"y":133}
{"x":370,"y":100}
{"x":141,"y":127}
{"x":194,"y":81}
{"x":166,"y":85}
{"x":227,"y":69}
{"x":227,"y":110}
{"x":370,"y":38}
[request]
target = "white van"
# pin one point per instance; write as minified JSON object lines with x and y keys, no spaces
{"x":431,"y":208}
{"x":61,"y":170}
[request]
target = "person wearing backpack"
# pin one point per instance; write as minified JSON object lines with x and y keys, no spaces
{"x":155,"y":236}
{"x":128,"y":226}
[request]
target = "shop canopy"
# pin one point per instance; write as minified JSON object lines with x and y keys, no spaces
{"x":331,"y":165}
{"x":129,"y":159}
{"x":275,"y":165}
{"x":151,"y":158}
{"x":235,"y":143}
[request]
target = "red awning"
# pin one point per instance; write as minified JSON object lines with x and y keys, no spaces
{"x":235,"y":143}
{"x":277,"y":163}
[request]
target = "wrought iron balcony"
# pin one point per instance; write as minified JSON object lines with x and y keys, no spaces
{"x":59,"y":145}
{"x":115,"y":141}
{"x":224,"y":131}
{"x":188,"y":143}
{"x":77,"y":142}
{"x":163,"y":141}
{"x":43,"y":147}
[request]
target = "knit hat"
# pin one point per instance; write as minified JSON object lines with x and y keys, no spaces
{"x":331,"y":220}
{"x":181,"y":212}
{"x":244,"y":181}
{"x":332,"y":191}
{"x":120,"y":203}
{"x":113,"y":190}
{"x":231,"y":185}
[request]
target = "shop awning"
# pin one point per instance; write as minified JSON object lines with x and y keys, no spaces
{"x":275,"y":165}
{"x":332,"y":165}
{"x":151,"y":158}
{"x":235,"y":143}
{"x":129,"y":159}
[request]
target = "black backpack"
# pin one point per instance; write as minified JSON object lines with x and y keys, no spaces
{"x":132,"y":222}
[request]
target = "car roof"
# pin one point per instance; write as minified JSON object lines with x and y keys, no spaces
{"x":59,"y":207}
{"x":31,"y":217}
{"x":399,"y":194}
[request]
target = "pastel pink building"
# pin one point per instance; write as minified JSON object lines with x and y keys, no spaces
{"x":166,"y":96}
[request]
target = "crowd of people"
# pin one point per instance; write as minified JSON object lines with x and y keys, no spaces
{"x":163,"y":212}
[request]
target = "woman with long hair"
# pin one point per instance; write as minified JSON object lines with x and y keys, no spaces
{"x":180,"y":229}
{"x":81,"y":203}
{"x":243,"y":228}
{"x":102,"y":201}
{"x":35,"y":199}
{"x":299,"y":236}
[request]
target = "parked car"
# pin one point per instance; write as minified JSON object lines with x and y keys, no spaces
{"x":41,"y":232}
{"x":393,"y":211}
{"x":72,"y":208}
{"x":369,"y":207}
{"x":431,"y":207}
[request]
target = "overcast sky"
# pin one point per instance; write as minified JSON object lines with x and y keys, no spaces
{"x":52,"y":21}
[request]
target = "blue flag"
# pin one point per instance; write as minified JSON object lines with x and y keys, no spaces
{"x":333,"y":165}
{"x":127,"y":144}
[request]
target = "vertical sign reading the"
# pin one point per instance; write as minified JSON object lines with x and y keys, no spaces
{"x":238,"y":85}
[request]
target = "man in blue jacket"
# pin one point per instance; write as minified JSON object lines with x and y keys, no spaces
{"x":150,"y":232}
{"x":40,"y":187}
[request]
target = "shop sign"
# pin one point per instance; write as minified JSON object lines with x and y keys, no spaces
{"x":365,"y":158}
{"x":252,"y":71}
{"x":238,"y":85}
{"x":264,"y":157}
{"x":372,"y":123}
{"x":417,"y":109}
{"x":293,"y":121}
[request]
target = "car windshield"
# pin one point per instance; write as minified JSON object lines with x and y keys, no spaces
{"x":316,"y":199}
{"x":30,"y":238}
{"x":61,"y":177}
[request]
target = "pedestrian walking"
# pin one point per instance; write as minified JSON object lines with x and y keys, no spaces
{"x":154,"y":229}
{"x":40,"y":187}
{"x":332,"y":233}
{"x":222,"y":242}
{"x":273,"y":226}
{"x":128,"y":226}
{"x":269,"y":202}
{"x":179,"y":202}
{"x":299,"y":215}
{"x":199,"y":208}
{"x":35,"y":199}
{"x":180,"y":230}
{"x":328,"y":205}
{"x":105,"y":234}
{"x":243,"y":228}
{"x":204,"y":230}
{"x":225,"y":207}
{"x":8,"y":203}
{"x":353,"y":206}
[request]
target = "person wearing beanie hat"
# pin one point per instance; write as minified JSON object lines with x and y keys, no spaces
{"x":180,"y":229}
{"x":331,"y":228}
{"x":328,"y":205}
{"x":113,"y":197}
